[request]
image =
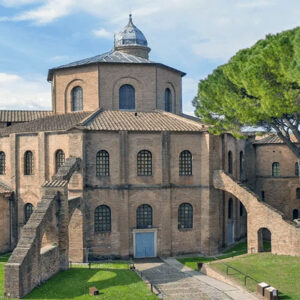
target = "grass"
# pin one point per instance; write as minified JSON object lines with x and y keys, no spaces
{"x":282,"y":272}
{"x":114,"y":281}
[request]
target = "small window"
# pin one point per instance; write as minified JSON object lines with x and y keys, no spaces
{"x":168,"y":100}
{"x":77,"y":98}
{"x":185,"y":216}
{"x":144,"y":216}
{"x":241,"y":163}
{"x":241,"y":209}
{"x":28,"y":163}
{"x":144,"y":163}
{"x":185,"y":163}
{"x":2,"y":163}
{"x":102,"y":164}
{"x":298,"y":193}
{"x":230,"y":162}
{"x":295,"y":214}
{"x":296,"y":169}
{"x":230,"y":207}
{"x":28,"y":209}
{"x":59,"y":159}
{"x":102,"y":219}
{"x":127,"y":97}
{"x":263,"y":196}
{"x":275,"y":169}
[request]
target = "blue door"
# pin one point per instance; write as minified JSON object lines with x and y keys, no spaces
{"x":144,"y":244}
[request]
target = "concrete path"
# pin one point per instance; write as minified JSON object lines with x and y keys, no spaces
{"x":177,"y":282}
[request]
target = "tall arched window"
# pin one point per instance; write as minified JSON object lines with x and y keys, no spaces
{"x":241,"y":163}
{"x":127,"y":97}
{"x":230,"y":207}
{"x":229,"y":162}
{"x":59,"y":159}
{"x":185,"y":163}
{"x":144,"y":216}
{"x":275,"y":169}
{"x":2,"y":163}
{"x":295,"y":214}
{"x":102,"y":163}
{"x":296,"y":169}
{"x":102,"y":219}
{"x":28,"y":209}
{"x":168,"y":100}
{"x":77,"y":99}
{"x":185,"y":216}
{"x":28,"y":163}
{"x":144,"y":163}
{"x":298,"y":193}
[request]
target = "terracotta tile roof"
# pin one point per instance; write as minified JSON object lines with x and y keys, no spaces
{"x":23,"y":115}
{"x":49,"y":123}
{"x":273,"y":139}
{"x":5,"y":189}
{"x":115,"y":120}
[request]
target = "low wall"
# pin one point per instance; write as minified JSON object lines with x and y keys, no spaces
{"x":49,"y":263}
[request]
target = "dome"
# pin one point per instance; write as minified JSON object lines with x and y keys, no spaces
{"x":130,"y":36}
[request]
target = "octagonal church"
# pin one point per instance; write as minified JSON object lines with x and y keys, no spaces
{"x":146,"y":177}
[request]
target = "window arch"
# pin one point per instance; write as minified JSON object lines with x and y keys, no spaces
{"x":296,"y":169}
{"x":2,"y":163}
{"x":295,"y":214}
{"x":241,"y":163}
{"x":229,"y":162}
{"x":230,"y":208}
{"x":28,"y":209}
{"x":127,"y":97}
{"x":144,"y":163}
{"x":59,"y":159}
{"x":102,"y":219}
{"x":28,"y":163}
{"x":144,"y":216}
{"x":298,"y":193}
{"x":185,"y":163}
{"x":275,"y":169}
{"x":77,"y":98}
{"x":168,"y":100}
{"x":102,"y":163}
{"x":185,"y":216}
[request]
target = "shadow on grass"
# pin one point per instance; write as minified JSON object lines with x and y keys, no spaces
{"x":77,"y":281}
{"x":4,"y":257}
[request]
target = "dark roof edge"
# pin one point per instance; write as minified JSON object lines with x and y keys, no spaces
{"x":50,"y":71}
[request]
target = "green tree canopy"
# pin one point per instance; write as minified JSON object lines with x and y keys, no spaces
{"x":259,"y":86}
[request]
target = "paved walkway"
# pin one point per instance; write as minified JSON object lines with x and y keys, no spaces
{"x":177,"y":282}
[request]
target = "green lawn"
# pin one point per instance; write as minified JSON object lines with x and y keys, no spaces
{"x":282,"y":272}
{"x":114,"y":281}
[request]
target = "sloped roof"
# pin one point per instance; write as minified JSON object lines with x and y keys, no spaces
{"x":273,"y":139}
{"x":110,"y":120}
{"x":116,"y":57}
{"x":23,"y":115}
{"x":5,"y":189}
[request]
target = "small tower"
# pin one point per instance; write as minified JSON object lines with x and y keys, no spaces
{"x":132,"y":41}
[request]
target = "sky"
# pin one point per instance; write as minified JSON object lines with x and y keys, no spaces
{"x":194,"y":36}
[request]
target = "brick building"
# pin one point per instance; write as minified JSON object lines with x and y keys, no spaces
{"x":146,"y":175}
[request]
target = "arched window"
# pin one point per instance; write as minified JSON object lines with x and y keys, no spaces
{"x":298,"y":193}
{"x":2,"y":163}
{"x":144,"y":216}
{"x":275,"y":169}
{"x":28,"y":209}
{"x":185,"y":163}
{"x":59,"y":159}
{"x":28,"y":163}
{"x":77,"y":99}
{"x":102,"y":163}
{"x":241,"y":209}
{"x":295,"y":214}
{"x":230,"y":162}
{"x":144,"y":163}
{"x":185,"y":216}
{"x":296,"y":169}
{"x":127,"y":97}
{"x":168,"y":100}
{"x":230,"y":207}
{"x":102,"y":219}
{"x":241,"y":163}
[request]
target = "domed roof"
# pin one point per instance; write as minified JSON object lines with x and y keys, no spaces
{"x":130,"y":36}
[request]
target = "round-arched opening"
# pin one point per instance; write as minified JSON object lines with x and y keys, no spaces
{"x":264,"y":240}
{"x":127,"y":97}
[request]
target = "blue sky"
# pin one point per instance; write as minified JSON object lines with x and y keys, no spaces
{"x":194,"y":36}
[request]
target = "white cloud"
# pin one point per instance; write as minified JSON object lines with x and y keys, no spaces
{"x":189,"y":91}
{"x":16,"y":3}
{"x":254,"y":4}
{"x":19,"y":93}
{"x":103,"y":33}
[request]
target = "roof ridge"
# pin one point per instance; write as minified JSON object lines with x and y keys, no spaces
{"x":90,"y":117}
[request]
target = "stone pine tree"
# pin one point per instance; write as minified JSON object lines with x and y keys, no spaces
{"x":259,"y":86}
